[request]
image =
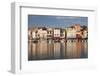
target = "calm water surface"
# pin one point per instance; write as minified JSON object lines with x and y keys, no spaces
{"x":49,"y":50}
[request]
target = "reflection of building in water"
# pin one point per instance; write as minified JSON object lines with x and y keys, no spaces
{"x":34,"y":50}
{"x":63,"y":50}
{"x":78,"y":49}
{"x":50,"y":47}
{"x":42,"y":50}
{"x":29,"y":50}
{"x":57,"y":50}
{"x":85,"y":47}
{"x":68,"y":50}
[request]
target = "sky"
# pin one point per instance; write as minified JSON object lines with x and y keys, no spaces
{"x":55,"y":21}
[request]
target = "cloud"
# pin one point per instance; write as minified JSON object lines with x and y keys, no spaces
{"x":67,"y":17}
{"x":60,"y":17}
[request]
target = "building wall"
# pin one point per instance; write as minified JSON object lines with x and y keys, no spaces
{"x":42,"y":33}
{"x":62,"y":33}
{"x":57,"y":33}
{"x":71,"y":33}
{"x":85,"y":34}
{"x":33,"y":34}
{"x":49,"y":33}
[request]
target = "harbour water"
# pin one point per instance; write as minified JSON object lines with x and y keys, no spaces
{"x":51,"y":50}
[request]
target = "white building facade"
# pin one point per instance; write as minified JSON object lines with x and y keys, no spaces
{"x":56,"y":33}
{"x":71,"y":33}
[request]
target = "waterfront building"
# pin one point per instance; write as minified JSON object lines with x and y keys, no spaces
{"x":62,"y":33}
{"x":33,"y":35}
{"x":42,"y":33}
{"x":85,"y":34}
{"x":49,"y":33}
{"x":71,"y":32}
{"x":57,"y":52}
{"x":77,"y":27}
{"x":79,"y":34}
{"x":56,"y":33}
{"x":29,"y":34}
{"x":74,"y":31}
